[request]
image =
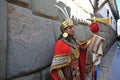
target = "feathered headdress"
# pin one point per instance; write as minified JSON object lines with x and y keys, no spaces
{"x":68,"y":21}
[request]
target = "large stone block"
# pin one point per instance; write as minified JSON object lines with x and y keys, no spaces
{"x":25,"y":1}
{"x":21,"y":2}
{"x":45,"y":74}
{"x":35,"y":76}
{"x":30,"y":39}
{"x":57,"y":32}
{"x":44,"y":7}
{"x":3,"y":38}
{"x":80,"y":33}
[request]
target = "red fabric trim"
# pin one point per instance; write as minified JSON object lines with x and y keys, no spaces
{"x":82,"y":62}
{"x":54,"y":76}
{"x":61,"y":48}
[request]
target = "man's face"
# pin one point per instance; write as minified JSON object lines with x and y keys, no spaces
{"x":70,"y":30}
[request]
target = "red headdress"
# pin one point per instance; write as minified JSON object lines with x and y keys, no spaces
{"x":94,"y":27}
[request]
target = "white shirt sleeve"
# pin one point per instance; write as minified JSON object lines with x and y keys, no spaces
{"x":100,"y":51}
{"x":95,"y":55}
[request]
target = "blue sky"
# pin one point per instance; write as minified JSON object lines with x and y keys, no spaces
{"x":118,"y":4}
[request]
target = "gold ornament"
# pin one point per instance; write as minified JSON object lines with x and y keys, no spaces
{"x":65,"y":34}
{"x":101,"y":20}
{"x":68,"y":22}
{"x":76,"y":53}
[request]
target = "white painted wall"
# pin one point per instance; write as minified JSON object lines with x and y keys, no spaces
{"x":103,"y":12}
{"x":80,"y":9}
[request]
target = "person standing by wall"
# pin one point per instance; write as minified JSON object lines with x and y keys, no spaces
{"x":69,"y":58}
{"x":65,"y":65}
{"x":70,"y":55}
{"x":95,"y":52}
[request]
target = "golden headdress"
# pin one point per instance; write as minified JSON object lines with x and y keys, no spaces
{"x":68,"y":21}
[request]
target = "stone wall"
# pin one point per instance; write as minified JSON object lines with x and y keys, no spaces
{"x":3,"y":39}
{"x":32,"y":32}
{"x":31,"y":41}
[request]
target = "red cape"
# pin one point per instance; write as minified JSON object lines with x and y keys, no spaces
{"x":61,"y":49}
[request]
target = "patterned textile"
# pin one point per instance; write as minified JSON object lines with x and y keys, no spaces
{"x":94,"y":56}
{"x":95,"y":42}
{"x":89,"y":61}
{"x":60,"y":61}
{"x":65,"y":62}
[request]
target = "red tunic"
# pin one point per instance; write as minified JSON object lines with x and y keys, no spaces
{"x":63,"y":50}
{"x":82,"y":62}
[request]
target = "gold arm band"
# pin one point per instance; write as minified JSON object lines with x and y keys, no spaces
{"x":89,"y":41}
{"x":60,"y":73}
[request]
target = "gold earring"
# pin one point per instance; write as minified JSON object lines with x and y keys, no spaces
{"x":65,"y":34}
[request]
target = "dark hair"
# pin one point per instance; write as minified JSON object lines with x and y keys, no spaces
{"x":60,"y":37}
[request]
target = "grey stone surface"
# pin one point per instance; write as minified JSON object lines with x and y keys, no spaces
{"x":57,"y":32}
{"x":45,"y":7}
{"x":80,"y":32}
{"x":3,"y":38}
{"x":25,"y":1}
{"x":45,"y":74}
{"x":31,"y":41}
{"x":106,"y":63}
{"x":114,"y":72}
{"x":35,"y":76}
{"x":109,"y":40}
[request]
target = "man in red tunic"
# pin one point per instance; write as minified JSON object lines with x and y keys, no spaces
{"x":69,"y":59}
{"x":66,"y":53}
